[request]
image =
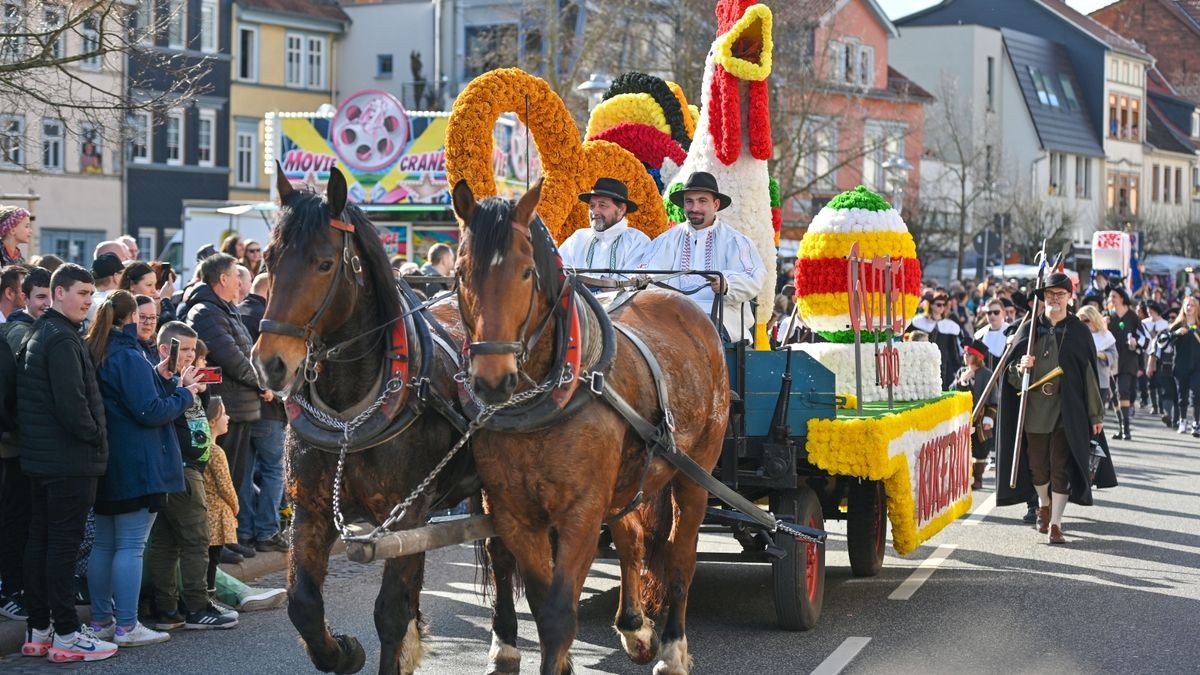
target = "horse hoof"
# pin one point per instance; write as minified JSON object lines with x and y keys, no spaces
{"x":503,"y":658}
{"x":504,"y":667}
{"x":641,"y":645}
{"x":352,"y":658}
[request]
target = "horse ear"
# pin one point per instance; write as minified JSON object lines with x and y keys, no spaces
{"x":335,"y":192}
{"x":464,"y":201}
{"x":282,"y":185}
{"x":528,"y":204}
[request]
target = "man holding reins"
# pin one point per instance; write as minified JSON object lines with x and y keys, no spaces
{"x":610,"y":243}
{"x":1063,"y":414}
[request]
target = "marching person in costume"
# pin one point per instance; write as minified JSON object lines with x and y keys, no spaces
{"x":1063,"y":415}
{"x":974,"y":377}
{"x":943,"y":332}
{"x":704,"y":242}
{"x":1127,"y":329}
{"x":610,"y":243}
{"x":995,"y":333}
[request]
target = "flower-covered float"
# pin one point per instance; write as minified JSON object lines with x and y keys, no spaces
{"x":919,"y":445}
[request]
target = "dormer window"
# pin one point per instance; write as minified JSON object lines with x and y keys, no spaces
{"x":851,"y":63}
{"x":1196,"y":124}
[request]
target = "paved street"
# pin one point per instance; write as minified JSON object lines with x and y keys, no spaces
{"x":1122,"y":597}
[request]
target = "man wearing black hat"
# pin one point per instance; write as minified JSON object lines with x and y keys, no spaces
{"x":974,"y":377}
{"x":610,"y":243}
{"x":1063,"y":414}
{"x":704,"y":242}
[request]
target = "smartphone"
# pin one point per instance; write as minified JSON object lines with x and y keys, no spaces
{"x":164,"y":274}
{"x":209,"y":375}
{"x":174,"y":357}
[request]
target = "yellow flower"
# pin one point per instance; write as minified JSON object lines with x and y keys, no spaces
{"x":637,"y":108}
{"x":756,"y":17}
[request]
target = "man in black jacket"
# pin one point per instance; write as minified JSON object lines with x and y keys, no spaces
{"x":210,"y":311}
{"x":64,"y":451}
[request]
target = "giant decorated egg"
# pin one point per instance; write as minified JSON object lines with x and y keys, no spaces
{"x":861,"y":217}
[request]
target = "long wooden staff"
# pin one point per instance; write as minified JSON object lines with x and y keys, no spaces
{"x":1033,"y":313}
{"x":1001,"y":366}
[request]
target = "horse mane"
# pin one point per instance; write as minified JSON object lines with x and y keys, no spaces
{"x":303,"y":220}
{"x":491,"y":235}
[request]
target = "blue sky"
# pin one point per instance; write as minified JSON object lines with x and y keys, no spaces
{"x":898,"y":8}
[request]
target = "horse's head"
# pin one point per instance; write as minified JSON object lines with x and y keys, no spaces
{"x":320,"y":250}
{"x":507,"y":284}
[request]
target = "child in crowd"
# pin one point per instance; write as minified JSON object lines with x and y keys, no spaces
{"x":219,"y":493}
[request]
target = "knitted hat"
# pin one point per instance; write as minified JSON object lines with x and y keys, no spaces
{"x":9,"y":217}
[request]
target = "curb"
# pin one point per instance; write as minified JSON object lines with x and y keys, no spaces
{"x":12,"y":633}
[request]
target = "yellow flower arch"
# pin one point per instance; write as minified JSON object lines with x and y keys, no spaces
{"x":569,"y":166}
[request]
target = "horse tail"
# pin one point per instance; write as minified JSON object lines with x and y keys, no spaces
{"x":657,"y":517}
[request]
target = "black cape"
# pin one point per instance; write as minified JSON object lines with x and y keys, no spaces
{"x":1077,"y":357}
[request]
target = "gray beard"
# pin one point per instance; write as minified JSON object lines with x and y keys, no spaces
{"x":600,"y":225}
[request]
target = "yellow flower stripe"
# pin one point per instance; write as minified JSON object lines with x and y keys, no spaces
{"x":740,"y":68}
{"x":689,"y":122}
{"x":637,"y":108}
{"x":831,"y":304}
{"x":858,"y":446}
{"x":837,"y":244}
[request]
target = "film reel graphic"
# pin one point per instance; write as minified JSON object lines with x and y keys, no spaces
{"x":370,"y":130}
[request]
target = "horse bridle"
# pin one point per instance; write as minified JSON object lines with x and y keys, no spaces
{"x":348,"y":262}
{"x":521,"y":347}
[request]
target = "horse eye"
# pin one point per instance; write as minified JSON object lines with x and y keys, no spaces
{"x":528,"y":273}
{"x":326,"y":266}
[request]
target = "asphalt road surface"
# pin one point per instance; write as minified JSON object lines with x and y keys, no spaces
{"x":1122,"y":597}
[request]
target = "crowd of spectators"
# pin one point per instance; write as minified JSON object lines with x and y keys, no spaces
{"x":136,"y":435}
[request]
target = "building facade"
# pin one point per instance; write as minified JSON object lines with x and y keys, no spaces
{"x":374,"y":59}
{"x":181,"y":153}
{"x":1168,"y":29}
{"x":283,"y":61}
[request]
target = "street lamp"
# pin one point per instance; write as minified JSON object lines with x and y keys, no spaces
{"x":594,"y":88}
{"x":897,"y":169}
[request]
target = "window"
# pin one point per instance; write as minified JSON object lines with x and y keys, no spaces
{"x":1123,"y":194}
{"x":1178,"y":185}
{"x":206,"y":130}
{"x":54,"y":21}
{"x":1154,"y":183}
{"x":52,"y":145}
{"x":90,"y":34}
{"x":247,"y":54}
{"x":245,"y":151}
{"x":991,"y":83}
{"x":837,"y":62}
{"x":819,"y":168}
{"x":175,"y":137}
{"x":866,"y":66}
{"x":1039,"y":86}
{"x":142,"y":21}
{"x":1068,"y":91}
{"x":1083,"y":177}
{"x":1124,"y":117}
{"x":1196,"y":181}
{"x":1196,"y":124}
{"x":208,"y":25}
{"x":12,"y":140}
{"x":139,"y":137}
{"x":91,"y":149}
{"x":11,"y":23}
{"x":176,"y":24}
{"x":294,"y":61}
{"x":881,"y":141}
{"x":383,"y":66}
{"x":315,"y":64}
{"x":1058,"y":174}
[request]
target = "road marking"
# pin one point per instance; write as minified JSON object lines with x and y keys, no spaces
{"x":922,"y":573}
{"x":842,"y":656}
{"x":981,"y":511}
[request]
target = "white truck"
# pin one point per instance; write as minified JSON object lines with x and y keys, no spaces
{"x":209,"y":222}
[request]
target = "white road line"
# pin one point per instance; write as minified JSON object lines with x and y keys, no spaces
{"x":922,"y":573}
{"x":981,"y":511}
{"x":842,"y":656}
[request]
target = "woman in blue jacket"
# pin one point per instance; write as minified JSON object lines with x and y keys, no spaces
{"x":141,"y":402}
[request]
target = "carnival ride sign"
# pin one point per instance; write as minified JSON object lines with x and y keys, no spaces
{"x":391,"y":156}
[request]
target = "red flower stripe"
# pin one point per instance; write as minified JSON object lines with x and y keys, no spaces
{"x":646,"y":143}
{"x":760,"y":121}
{"x":725,"y":120}
{"x":828,"y":275}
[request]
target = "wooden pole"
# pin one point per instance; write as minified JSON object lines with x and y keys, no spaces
{"x":421,"y":539}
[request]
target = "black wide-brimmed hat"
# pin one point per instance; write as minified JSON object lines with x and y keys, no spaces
{"x":613,"y":189}
{"x":1056,"y":280}
{"x":701,"y":181}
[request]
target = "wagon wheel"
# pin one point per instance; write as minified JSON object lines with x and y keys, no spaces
{"x":866,"y":527}
{"x":800,"y":575}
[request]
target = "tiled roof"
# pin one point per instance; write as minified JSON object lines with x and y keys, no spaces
{"x":1161,"y":134}
{"x":1098,"y":30}
{"x":900,"y":85}
{"x":319,"y":9}
{"x":1191,"y":8}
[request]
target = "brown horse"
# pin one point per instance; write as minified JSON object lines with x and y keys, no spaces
{"x":567,"y":477}
{"x":331,"y":284}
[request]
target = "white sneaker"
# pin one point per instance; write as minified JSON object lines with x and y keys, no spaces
{"x":82,"y":645}
{"x":1183,"y":427}
{"x":37,"y":642}
{"x":139,"y":635}
{"x":258,"y":599}
{"x":104,"y":631}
